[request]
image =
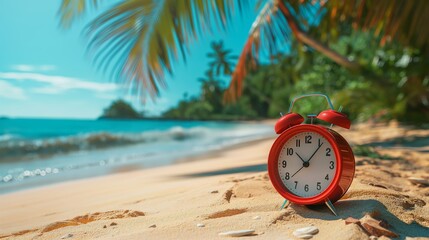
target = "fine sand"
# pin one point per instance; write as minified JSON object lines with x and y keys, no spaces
{"x":230,"y":191}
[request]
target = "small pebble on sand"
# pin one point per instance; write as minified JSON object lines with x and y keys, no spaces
{"x":256,"y":218}
{"x":104,"y":226}
{"x":67,"y":236}
{"x":200,"y":225}
{"x":417,"y":180}
{"x":237,"y":233}
{"x":113,"y":224}
{"x":306,"y":232}
{"x":215,"y":191}
{"x":152,"y":226}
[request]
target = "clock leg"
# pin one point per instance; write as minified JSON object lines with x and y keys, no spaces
{"x":285,"y":204}
{"x":331,"y":207}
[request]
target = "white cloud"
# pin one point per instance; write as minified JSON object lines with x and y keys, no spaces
{"x":33,"y":68}
{"x":58,"y":84}
{"x":47,"y":67}
{"x":10,"y":91}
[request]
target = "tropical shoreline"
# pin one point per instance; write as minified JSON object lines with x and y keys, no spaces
{"x":227,"y":191}
{"x":96,"y":150}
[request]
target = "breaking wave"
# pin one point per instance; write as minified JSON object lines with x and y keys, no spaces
{"x":13,"y":148}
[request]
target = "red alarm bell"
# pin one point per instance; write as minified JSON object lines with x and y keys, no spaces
{"x":287,"y":121}
{"x":335,"y":117}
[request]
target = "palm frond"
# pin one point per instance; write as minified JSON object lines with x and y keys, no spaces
{"x":139,"y":40}
{"x":390,"y":19}
{"x":70,"y":10}
{"x":270,"y":34}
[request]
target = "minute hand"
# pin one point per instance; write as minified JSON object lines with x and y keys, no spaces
{"x":314,"y":153}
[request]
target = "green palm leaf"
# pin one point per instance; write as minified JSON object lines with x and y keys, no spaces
{"x":140,"y":39}
{"x":70,"y":10}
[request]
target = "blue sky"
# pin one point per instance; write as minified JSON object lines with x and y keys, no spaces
{"x":45,"y":72}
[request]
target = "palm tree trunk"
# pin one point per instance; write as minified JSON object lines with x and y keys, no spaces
{"x":318,"y":46}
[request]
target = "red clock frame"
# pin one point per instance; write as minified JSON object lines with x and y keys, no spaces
{"x":344,"y":158}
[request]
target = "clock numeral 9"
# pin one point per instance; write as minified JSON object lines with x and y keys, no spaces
{"x":331,"y":165}
{"x":284,"y":163}
{"x":289,"y":151}
{"x":328,"y":152}
{"x":306,"y":187}
{"x":287,"y":176}
{"x":307,"y":139}
{"x":318,"y":186}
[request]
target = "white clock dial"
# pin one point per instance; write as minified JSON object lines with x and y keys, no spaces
{"x":307,"y":164}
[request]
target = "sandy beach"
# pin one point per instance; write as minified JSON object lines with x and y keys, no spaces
{"x":230,"y":190}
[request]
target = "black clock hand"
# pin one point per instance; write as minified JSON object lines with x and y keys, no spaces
{"x":297,"y":171}
{"x":308,"y":161}
{"x":300,"y":157}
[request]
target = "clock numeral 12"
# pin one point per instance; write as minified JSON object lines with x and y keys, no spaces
{"x":307,"y":139}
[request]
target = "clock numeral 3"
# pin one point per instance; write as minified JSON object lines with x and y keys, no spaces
{"x":328,"y":152}
{"x":287,"y":176}
{"x":331,"y":165}
{"x":306,"y":187}
{"x":307,"y":139}
{"x":318,"y":186}
{"x":284,"y":163}
{"x":290,"y":151}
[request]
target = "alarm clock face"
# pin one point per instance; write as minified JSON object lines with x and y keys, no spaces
{"x":307,"y":164}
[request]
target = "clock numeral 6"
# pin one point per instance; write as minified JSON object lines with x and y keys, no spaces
{"x":287,"y":176}
{"x":290,"y":151}
{"x":331,"y":165}
{"x":319,"y":186}
{"x":306,"y":187}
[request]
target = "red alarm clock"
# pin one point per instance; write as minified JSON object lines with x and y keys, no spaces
{"x":311,"y":164}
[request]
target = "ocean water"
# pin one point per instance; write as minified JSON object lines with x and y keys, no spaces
{"x":37,"y":152}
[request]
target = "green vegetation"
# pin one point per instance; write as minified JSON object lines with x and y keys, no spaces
{"x":380,"y":92}
{"x":369,"y":55}
{"x":120,"y":109}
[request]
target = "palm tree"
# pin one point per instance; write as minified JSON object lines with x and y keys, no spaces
{"x":140,"y":39}
{"x":222,"y":61}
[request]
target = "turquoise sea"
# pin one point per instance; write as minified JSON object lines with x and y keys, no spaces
{"x":37,"y":152}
